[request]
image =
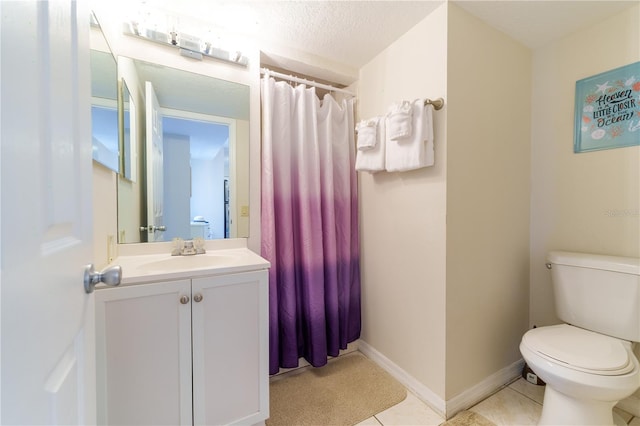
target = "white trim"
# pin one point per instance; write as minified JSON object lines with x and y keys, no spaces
{"x":418,"y":389}
{"x":483,"y":389}
{"x":189,"y":115}
{"x":104,"y":102}
{"x":462,"y":401}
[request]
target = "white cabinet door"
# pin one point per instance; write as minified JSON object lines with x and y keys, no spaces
{"x":230,"y":358}
{"x":144,"y":354}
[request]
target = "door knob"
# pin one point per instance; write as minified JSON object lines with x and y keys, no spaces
{"x":184,"y":300}
{"x":110,"y":276}
{"x":198,"y":298}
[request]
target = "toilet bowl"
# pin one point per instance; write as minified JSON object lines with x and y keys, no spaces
{"x":588,"y":363}
{"x":586,"y":373}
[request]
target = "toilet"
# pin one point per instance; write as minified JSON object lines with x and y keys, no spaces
{"x":587,"y":362}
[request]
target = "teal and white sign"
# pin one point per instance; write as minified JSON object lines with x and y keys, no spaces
{"x":607,"y":111}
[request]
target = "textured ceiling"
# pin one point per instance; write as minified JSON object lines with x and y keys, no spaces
{"x":347,"y":32}
{"x":352,"y":32}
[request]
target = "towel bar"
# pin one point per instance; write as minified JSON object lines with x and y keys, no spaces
{"x":437,"y":103}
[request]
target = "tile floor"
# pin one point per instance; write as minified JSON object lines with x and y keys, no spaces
{"x":520,"y":403}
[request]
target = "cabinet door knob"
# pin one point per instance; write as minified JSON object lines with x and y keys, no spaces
{"x":198,"y":297}
{"x":184,"y":300}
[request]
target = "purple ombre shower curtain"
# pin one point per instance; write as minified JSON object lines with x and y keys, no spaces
{"x":309,"y":224}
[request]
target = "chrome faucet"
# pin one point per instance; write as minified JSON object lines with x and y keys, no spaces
{"x":188,"y":248}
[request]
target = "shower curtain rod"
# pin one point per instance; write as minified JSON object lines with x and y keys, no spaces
{"x":305,"y":81}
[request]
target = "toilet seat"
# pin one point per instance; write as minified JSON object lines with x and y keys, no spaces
{"x":580,"y":349}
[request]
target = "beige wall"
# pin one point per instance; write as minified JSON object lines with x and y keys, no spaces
{"x":488,"y":155}
{"x":242,"y":185}
{"x":402,"y":215}
{"x":581,"y":202}
{"x":104,"y":214}
{"x":445,"y":249}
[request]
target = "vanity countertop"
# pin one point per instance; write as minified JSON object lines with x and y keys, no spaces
{"x":145,"y":268}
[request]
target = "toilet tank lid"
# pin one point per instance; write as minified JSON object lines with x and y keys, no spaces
{"x":626,"y":265}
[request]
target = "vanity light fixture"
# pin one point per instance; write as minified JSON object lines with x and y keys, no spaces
{"x":190,"y":46}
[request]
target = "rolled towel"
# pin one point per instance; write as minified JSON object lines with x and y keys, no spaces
{"x":399,"y":121}
{"x":373,"y":160}
{"x":367,"y":133}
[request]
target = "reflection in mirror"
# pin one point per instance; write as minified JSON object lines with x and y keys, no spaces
{"x":196,"y":203}
{"x":196,"y":156}
{"x":104,"y":107}
{"x":128,"y":137}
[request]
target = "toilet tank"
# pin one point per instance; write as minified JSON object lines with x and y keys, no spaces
{"x":598,"y":293}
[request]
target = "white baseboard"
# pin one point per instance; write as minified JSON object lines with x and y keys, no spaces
{"x":460,"y":402}
{"x":417,"y":388}
{"x":485,"y":388}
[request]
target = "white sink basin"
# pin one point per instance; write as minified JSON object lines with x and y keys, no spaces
{"x":143,"y":268}
{"x":181,"y":263}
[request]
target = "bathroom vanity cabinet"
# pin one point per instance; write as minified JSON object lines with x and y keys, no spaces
{"x":184,"y":351}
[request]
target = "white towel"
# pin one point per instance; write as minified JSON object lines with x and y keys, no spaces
{"x":367,"y":131}
{"x":399,"y":124}
{"x":372,"y":160}
{"x":416,"y":151}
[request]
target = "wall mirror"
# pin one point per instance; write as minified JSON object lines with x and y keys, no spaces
{"x":104,"y":104}
{"x":193,"y":167}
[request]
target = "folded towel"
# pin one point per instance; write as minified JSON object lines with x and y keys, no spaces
{"x":416,"y":151}
{"x":400,"y":120}
{"x":372,"y":160}
{"x":367,"y":130}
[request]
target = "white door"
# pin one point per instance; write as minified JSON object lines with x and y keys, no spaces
{"x":48,"y":343}
{"x":155,"y":181}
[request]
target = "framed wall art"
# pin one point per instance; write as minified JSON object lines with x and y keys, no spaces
{"x":607,"y":111}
